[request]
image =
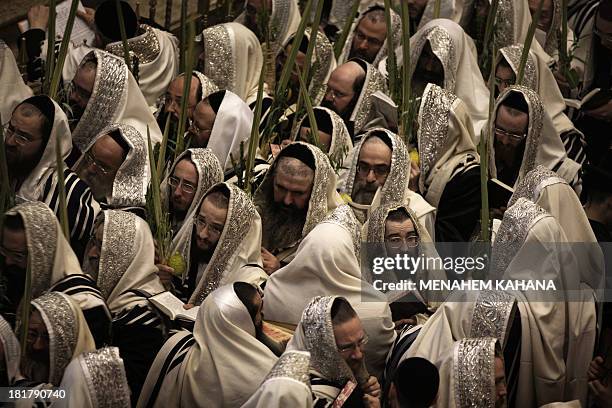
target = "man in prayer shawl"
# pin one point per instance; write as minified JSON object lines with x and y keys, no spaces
{"x":331,"y":330}
{"x":286,"y":385}
{"x":443,"y":54}
{"x":31,"y":138}
{"x":10,"y":355}
{"x":103,"y":91}
{"x":522,"y":136}
{"x":349,"y":94}
{"x":31,"y":234}
{"x":449,"y":166}
{"x":12,"y":87}
{"x":222,"y":122}
{"x":539,"y":77}
{"x":415,"y":383}
{"x":95,"y":379}
{"x":297,"y":192}
{"x":120,"y":257}
{"x":284,"y":16}
{"x":115,"y":165}
{"x":368,"y":37}
{"x":379,"y":175}
{"x":57,"y":333}
{"x":221,"y":364}
{"x":200,"y":87}
{"x":220,"y":243}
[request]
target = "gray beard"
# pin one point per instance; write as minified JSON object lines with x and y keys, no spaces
{"x":280,"y":229}
{"x":35,"y":371}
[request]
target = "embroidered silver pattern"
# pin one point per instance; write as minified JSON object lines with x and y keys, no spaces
{"x":374,"y":82}
{"x":219,"y":57}
{"x":504,"y":24}
{"x":443,"y":47}
{"x":528,"y":186}
{"x":344,"y":216}
{"x":322,"y":62}
{"x":491,"y":315}
{"x":145,"y":46}
{"x":292,"y":364}
{"x":61,"y":324}
{"x":10,"y":344}
{"x":280,"y":21}
{"x":207,"y":86}
{"x":209,"y":170}
{"x":118,"y":250}
{"x":339,"y":140}
{"x":108,"y":96}
{"x":474,"y":372}
{"x":106,"y":378}
{"x":512,"y":54}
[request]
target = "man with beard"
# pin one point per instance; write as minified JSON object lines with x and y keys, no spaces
{"x":428,"y":70}
{"x":369,"y":35}
{"x":343,"y":89}
{"x":373,"y":166}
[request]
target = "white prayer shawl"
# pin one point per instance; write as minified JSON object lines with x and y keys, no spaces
{"x":12,"y":351}
{"x":457,"y":53}
{"x":69,"y":333}
{"x":126,"y":262}
{"x":116,"y":98}
{"x":445,"y":141}
{"x":396,"y":30}
{"x":209,"y":173}
{"x":543,"y":145}
{"x":224,"y":366}
{"x":237,"y":256}
{"x":327,"y":263}
{"x":395,"y":188}
{"x":364,"y":112}
{"x":95,"y":379}
{"x":158,"y":57}
{"x":32,"y":188}
{"x":233,"y":59}
{"x":12,"y":87}
{"x":286,"y":385}
{"x":455,"y":10}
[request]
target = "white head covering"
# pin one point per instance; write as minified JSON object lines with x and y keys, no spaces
{"x":454,"y":10}
{"x":12,"y":350}
{"x":12,"y":87}
{"x":116,"y":98}
{"x":95,"y":379}
{"x":364,"y":111}
{"x":238,"y":251}
{"x":233,"y":59}
{"x":232,"y":126}
{"x":32,"y":187}
{"x":126,"y":261}
{"x":158,"y":56}
{"x":207,"y":86}
{"x":69,"y":333}
{"x":286,"y":385}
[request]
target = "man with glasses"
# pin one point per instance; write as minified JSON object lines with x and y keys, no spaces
{"x":343,"y":89}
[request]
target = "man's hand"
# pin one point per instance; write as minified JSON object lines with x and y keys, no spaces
{"x":38,"y":17}
{"x":371,"y":387}
{"x":415,"y":172}
{"x":596,"y":369}
{"x":602,"y":393}
{"x":87,"y":16}
{"x":188,"y":306}
{"x":604,"y":112}
{"x":270,"y":263}
{"x":165,"y":274}
{"x":400,"y":324}
{"x":370,"y":401}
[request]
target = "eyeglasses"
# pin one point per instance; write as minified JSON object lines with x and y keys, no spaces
{"x":169,"y":100}
{"x":411,"y":241}
{"x":353,"y":346}
{"x":201,"y":223}
{"x":33,"y":336}
{"x":337,"y":94}
{"x":80,"y":92}
{"x":194,"y":129}
{"x":374,"y":42}
{"x":90,"y":160}
{"x":16,"y":256}
{"x":186,"y":186}
{"x":380,"y":170}
{"x":505,"y":82}
{"x":21,"y":139}
{"x":512,"y":136}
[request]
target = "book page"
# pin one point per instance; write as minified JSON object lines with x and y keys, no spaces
{"x":191,"y":314}
{"x":168,"y":303}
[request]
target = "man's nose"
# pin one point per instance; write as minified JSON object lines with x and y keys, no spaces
{"x":363,"y":44}
{"x":38,"y":344}
{"x":288,"y":199}
{"x":10,"y":140}
{"x":371,"y":177}
{"x":357,"y":354}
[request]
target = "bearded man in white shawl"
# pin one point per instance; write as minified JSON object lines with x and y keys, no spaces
{"x":349,"y":94}
{"x":31,"y":234}
{"x":449,"y":169}
{"x":379,"y":174}
{"x":221,"y":364}
{"x":297,"y":192}
{"x":57,"y":333}
{"x":220,"y":244}
{"x":115,"y":165}
{"x":120,"y":257}
{"x":12,"y":87}
{"x":95,"y":379}
{"x":31,"y":141}
{"x":331,"y":330}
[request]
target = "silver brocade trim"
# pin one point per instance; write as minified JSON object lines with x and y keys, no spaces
{"x":378,"y":218}
{"x":207,"y":86}
{"x":552,"y":36}
{"x":41,"y":236}
{"x":322,"y":62}
{"x":504,"y":24}
{"x":374,"y":82}
{"x":474,"y":372}
{"x":9,"y":344}
{"x":491,"y":315}
{"x":240,"y":212}
{"x":528,"y":186}
{"x":118,"y":250}
{"x":145,"y":46}
{"x":208,"y":167}
{"x":219,"y":63}
{"x":61,"y":324}
{"x":512,"y":54}
{"x":344,"y":216}
{"x":279,"y":19}
{"x":433,"y":137}
{"x":512,"y":233}
{"x":292,"y":364}
{"x":320,"y":341}
{"x":443,"y":47}
{"x":340,"y":138}
{"x":108,"y":96}
{"x":106,"y":378}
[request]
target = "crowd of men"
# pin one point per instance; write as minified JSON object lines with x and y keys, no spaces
{"x":263,"y":292}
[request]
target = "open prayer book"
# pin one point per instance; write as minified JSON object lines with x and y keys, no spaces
{"x":593,"y":100}
{"x":172,"y":307}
